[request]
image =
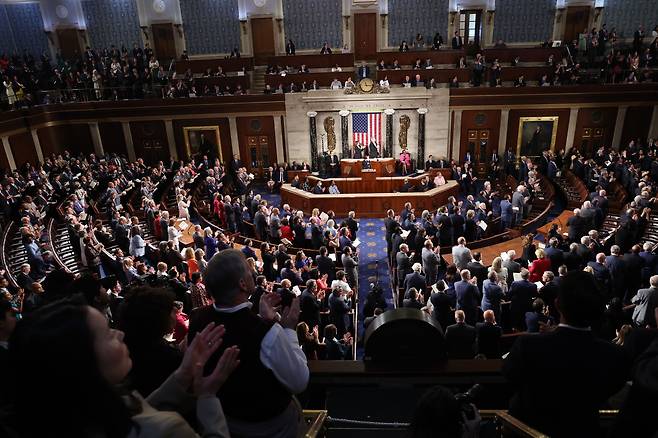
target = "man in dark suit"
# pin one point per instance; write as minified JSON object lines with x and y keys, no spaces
{"x":430,"y":163}
{"x":488,"y":335}
{"x":468,"y":296}
{"x":403,"y":264}
{"x":335,"y":349}
{"x":617,"y":267}
{"x":572,"y":259}
{"x":412,"y":300}
{"x":460,"y":338}
{"x":326,"y":265}
{"x":554,"y":254}
{"x":601,"y":272}
{"x":415,"y":279}
{"x":373,"y":149}
{"x":352,"y":224}
{"x":650,"y":262}
{"x":521,"y":294}
{"x":576,"y":225}
{"x":581,"y":370}
{"x":457,"y":42}
{"x":634,"y":265}
{"x":310,"y":303}
{"x":477,"y":269}
{"x":364,"y":71}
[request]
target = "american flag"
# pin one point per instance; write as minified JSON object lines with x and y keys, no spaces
{"x":366,"y":127}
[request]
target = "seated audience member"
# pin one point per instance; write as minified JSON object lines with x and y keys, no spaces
{"x":581,"y":370}
{"x":272,"y":366}
{"x":85,"y":347}
{"x":460,"y":338}
{"x":336,"y":84}
{"x":537,"y":319}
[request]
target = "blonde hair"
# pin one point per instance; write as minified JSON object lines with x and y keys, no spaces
{"x":540,"y":253}
{"x":188,"y":253}
{"x":497,"y":264}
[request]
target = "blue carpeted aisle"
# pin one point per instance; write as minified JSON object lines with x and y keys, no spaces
{"x":373,"y":267}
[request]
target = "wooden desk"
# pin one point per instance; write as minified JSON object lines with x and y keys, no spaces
{"x":561,"y":222}
{"x":409,"y":58}
{"x":368,"y":205}
{"x":314,"y":61}
{"x":381,"y":166}
{"x":186,"y":239}
{"x":227,"y":64}
{"x":525,"y":54}
{"x":369,"y":182}
{"x":231,"y":81}
{"x":324,"y":79}
{"x":445,"y":75}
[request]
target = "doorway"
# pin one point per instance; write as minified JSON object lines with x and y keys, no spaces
{"x":164,"y":43}
{"x":69,"y":43}
{"x":478,"y":145}
{"x":577,"y":22}
{"x":260,"y":155}
{"x":262,"y":34}
{"x":365,"y":36}
{"x":470,"y":26}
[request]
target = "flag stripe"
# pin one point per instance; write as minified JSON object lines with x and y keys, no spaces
{"x":367,"y":126}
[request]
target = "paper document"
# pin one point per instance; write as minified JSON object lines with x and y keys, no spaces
{"x":404,"y":233}
{"x":296,"y":291}
{"x":539,"y":284}
{"x":332,"y":256}
{"x":515,"y":208}
{"x":356,"y":243}
{"x":183,"y":225}
{"x":483,"y":225}
{"x":517,"y":276}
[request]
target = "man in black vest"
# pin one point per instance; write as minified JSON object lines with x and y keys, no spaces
{"x":257,"y":397}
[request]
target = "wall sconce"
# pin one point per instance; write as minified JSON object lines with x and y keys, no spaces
{"x":383,"y":16}
{"x":347,"y":22}
{"x":179,"y":28}
{"x":145,"y":31}
{"x":243,"y":24}
{"x":453,"y":14}
{"x":279,"y":22}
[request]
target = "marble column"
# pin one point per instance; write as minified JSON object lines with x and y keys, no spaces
{"x":37,"y":144}
{"x":502,"y":133}
{"x":171,"y":140}
{"x":619,"y":127}
{"x":344,"y":133}
{"x":96,"y":138}
{"x":571,"y":129}
{"x":235,"y":142}
{"x":456,"y":135}
{"x":421,"y":138}
{"x":128,"y":137}
{"x":388,"y":151}
{"x":8,"y":153}
{"x":314,"y":139}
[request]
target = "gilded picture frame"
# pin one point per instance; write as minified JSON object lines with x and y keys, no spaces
{"x":536,"y":134}
{"x":195,"y":136}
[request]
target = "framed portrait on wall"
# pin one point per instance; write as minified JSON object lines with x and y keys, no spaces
{"x":536,"y":134}
{"x":202,"y":140}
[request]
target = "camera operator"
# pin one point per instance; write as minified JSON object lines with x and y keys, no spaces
{"x":440,"y":413}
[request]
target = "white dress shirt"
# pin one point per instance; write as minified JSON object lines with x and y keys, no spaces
{"x":281,"y":353}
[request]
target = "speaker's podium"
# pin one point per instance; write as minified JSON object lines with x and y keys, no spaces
{"x":352,"y":168}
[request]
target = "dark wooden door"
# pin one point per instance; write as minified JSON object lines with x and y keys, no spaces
{"x":262,"y":34}
{"x":164,"y":43}
{"x":69,"y":43}
{"x":261,"y":153}
{"x":365,"y":36}
{"x":481,"y":149}
{"x":577,"y":22}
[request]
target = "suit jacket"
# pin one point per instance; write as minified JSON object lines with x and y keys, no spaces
{"x":646,"y":301}
{"x":617,"y":268}
{"x":556,"y":256}
{"x":403,"y":266}
{"x":364,"y":72}
{"x":460,"y":341}
{"x":581,"y":371}
{"x":457,"y":43}
{"x":326,"y":266}
{"x":415,"y":280}
{"x":521,"y":294}
{"x":310,"y":309}
{"x":488,"y":339}
{"x":468,"y":299}
{"x":461,"y":256}
{"x":477,"y":270}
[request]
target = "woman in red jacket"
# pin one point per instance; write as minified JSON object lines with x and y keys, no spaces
{"x":539,"y":266}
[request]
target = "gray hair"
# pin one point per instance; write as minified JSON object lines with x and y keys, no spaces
{"x":223,"y":275}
